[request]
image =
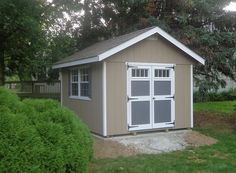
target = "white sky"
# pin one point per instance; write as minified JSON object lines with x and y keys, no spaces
{"x":231,"y":7}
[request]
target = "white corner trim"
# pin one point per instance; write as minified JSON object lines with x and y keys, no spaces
{"x":77,"y":62}
{"x":180,"y":45}
{"x":191,"y":94}
{"x":61,"y":85}
{"x":104,"y":97}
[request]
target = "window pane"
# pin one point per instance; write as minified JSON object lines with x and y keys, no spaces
{"x":84,"y":76}
{"x":74,"y":89}
{"x":84,"y":89}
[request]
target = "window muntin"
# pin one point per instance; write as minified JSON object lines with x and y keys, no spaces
{"x":80,"y":83}
{"x":163,"y":73}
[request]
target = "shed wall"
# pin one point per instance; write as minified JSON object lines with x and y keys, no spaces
{"x":150,"y":50}
{"x":90,"y":111}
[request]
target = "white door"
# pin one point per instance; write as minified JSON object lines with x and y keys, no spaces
{"x":150,"y":97}
{"x":139,"y":97}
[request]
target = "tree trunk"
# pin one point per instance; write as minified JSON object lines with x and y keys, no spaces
{"x":2,"y":68}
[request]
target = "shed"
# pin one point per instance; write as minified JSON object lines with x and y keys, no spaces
{"x":140,"y":81}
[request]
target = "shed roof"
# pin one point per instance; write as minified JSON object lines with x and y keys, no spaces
{"x":104,"y":49}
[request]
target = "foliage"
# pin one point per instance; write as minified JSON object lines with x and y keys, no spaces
{"x":41,"y":136}
{"x":214,"y":96}
{"x":21,"y":34}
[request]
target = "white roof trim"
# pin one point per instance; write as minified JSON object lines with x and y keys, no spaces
{"x":77,"y":62}
{"x":146,"y":35}
{"x":180,"y":45}
{"x":131,"y":42}
{"x":126,"y":44}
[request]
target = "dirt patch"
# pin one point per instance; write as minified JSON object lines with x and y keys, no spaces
{"x":106,"y":148}
{"x":196,"y":139}
{"x":205,"y":119}
{"x":153,"y":143}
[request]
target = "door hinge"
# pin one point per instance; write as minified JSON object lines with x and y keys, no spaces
{"x":130,"y":66}
{"x":172,"y":97}
{"x":129,"y":98}
{"x":172,"y":67}
{"x":129,"y":127}
{"x":170,"y":123}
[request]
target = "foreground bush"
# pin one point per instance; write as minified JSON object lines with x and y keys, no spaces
{"x":41,"y":136}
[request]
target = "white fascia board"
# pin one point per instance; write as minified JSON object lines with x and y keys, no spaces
{"x":180,"y":45}
{"x":146,"y":35}
{"x":77,"y":62}
{"x":126,"y":44}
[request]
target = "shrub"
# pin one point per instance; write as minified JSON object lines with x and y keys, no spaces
{"x":214,"y":96}
{"x":41,"y":136}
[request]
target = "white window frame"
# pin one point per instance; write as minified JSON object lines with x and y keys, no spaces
{"x":79,"y":84}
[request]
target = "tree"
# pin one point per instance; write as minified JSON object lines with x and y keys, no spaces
{"x":209,"y":30}
{"x":20,"y":34}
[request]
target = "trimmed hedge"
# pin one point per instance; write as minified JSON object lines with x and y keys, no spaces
{"x":214,"y":96}
{"x":41,"y":136}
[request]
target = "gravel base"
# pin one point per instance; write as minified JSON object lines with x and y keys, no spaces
{"x":151,"y":143}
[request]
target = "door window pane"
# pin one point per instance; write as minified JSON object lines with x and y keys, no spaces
{"x":162,"y":73}
{"x":140,"y":112}
{"x":162,"y":87}
{"x":139,"y":72}
{"x":162,"y":111}
{"x":140,"y":88}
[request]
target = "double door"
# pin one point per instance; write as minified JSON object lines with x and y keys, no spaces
{"x":150,"y":97}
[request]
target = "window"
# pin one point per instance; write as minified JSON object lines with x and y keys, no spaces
{"x":139,"y":72}
{"x":80,"y":83}
{"x":162,"y":73}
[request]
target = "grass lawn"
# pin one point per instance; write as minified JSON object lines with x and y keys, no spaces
{"x":218,"y":158}
{"x":217,"y":107}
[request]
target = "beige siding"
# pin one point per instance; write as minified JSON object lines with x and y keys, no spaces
{"x":147,"y":51}
{"x":89,"y":111}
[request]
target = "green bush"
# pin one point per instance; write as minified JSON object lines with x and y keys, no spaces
{"x":41,"y":136}
{"x":214,"y":96}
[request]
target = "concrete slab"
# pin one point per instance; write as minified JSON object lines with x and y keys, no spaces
{"x":155,"y":143}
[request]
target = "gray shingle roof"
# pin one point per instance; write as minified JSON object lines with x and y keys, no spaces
{"x":102,"y":46}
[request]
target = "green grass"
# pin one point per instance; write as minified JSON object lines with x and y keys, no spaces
{"x":218,"y":158}
{"x":216,"y":107}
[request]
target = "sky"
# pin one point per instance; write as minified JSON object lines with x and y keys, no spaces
{"x":231,"y":7}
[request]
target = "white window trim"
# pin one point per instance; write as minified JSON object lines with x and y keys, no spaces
{"x":79,"y":97}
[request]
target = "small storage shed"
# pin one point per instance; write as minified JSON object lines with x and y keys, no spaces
{"x":136,"y":82}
